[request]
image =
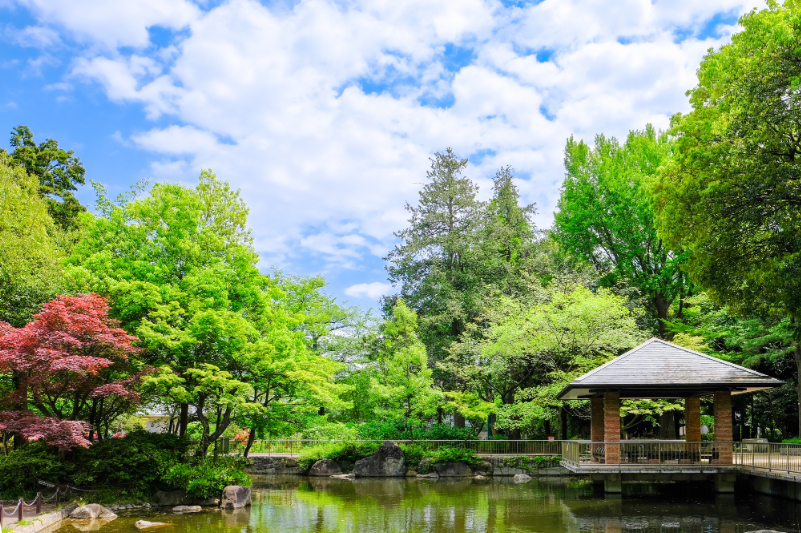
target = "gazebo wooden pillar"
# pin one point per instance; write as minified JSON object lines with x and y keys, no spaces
{"x":596,"y":426}
{"x":723,"y":428}
{"x":611,"y":427}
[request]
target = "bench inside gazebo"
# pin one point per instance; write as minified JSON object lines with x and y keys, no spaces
{"x":658,"y":369}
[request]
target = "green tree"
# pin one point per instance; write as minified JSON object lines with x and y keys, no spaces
{"x":606,"y":217}
{"x":30,"y":270}
{"x":180,"y":269}
{"x":732,"y":193}
{"x":458,"y":253}
{"x":403,"y":386}
{"x":522,"y":354}
{"x":57,"y":170}
{"x":433,"y":264}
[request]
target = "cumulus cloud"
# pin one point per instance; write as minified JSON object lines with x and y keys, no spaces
{"x":324,"y":114}
{"x":372,"y":290}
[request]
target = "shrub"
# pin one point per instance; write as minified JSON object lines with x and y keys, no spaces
{"x":455,"y":455}
{"x":414,"y":453}
{"x":443,"y":432}
{"x":133,"y":464}
{"x":794,"y":440}
{"x":207,"y":478}
{"x":532,"y":463}
{"x":379,"y":430}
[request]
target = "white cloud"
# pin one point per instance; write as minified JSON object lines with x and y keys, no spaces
{"x":279,"y":101}
{"x":372,"y":290}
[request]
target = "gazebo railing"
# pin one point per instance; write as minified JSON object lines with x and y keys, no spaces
{"x":649,"y":452}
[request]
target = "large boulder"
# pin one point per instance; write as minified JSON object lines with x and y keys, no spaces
{"x":484,"y":468}
{"x":235,"y":497}
{"x":521,"y":478}
{"x":325,"y":468}
{"x":92,"y":511}
{"x":273,"y":466}
{"x":388,"y":461}
{"x":451,"y":469}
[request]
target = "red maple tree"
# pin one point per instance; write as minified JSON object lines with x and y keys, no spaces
{"x":61,"y":365}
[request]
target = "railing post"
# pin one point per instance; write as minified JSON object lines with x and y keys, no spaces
{"x":20,"y":509}
{"x":770,"y":466}
{"x":38,"y":503}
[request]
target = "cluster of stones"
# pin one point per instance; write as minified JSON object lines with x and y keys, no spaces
{"x":389,"y":461}
{"x":233,"y":497}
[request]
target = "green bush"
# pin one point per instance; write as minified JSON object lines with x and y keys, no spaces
{"x":395,"y":430}
{"x":132,"y":465}
{"x":455,"y":455}
{"x":532,"y":463}
{"x":207,"y":478}
{"x":380,"y":430}
{"x":342,"y":452}
{"x":414,"y":453}
{"x":794,"y":440}
{"x":444,"y":432}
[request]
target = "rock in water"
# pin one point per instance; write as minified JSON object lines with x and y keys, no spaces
{"x":325,"y":468}
{"x":187,"y":509}
{"x":388,"y":461}
{"x":522,"y":478}
{"x":452,"y":469}
{"x":92,"y":511}
{"x":344,"y":476}
{"x":144,"y":524}
{"x":235,"y":497}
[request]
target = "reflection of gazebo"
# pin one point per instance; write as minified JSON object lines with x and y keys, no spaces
{"x":659,"y":369}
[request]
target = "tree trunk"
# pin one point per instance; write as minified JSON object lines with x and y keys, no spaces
{"x":667,"y":426}
{"x":562,"y":423}
{"x":458,"y":420}
{"x":662,"y":310}
{"x":251,"y":438}
{"x":184,"y":421}
{"x":20,"y":405}
{"x":548,"y":428}
{"x":797,"y":346}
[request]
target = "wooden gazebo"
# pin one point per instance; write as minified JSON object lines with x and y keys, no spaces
{"x":658,"y":369}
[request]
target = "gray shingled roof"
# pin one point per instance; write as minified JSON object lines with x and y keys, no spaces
{"x":659,"y":369}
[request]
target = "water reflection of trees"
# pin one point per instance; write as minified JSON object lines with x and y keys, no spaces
{"x":559,"y":505}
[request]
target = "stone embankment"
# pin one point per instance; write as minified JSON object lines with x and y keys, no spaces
{"x":389,"y":461}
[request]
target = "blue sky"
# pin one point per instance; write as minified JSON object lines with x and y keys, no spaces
{"x":324,"y":113}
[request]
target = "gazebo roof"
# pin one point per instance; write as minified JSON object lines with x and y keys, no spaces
{"x":659,"y":369}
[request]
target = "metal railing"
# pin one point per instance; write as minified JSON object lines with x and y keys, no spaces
{"x":771,"y":457}
{"x":481,"y":447}
{"x":649,"y":452}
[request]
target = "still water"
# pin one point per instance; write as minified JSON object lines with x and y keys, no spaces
{"x":548,"y":505}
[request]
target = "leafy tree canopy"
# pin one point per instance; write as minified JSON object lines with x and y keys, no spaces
{"x":605,"y":217}
{"x":58,"y":171}
{"x":30,"y":270}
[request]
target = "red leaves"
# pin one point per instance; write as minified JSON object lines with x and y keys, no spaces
{"x":61,"y":357}
{"x":62,"y":433}
{"x":72,"y":334}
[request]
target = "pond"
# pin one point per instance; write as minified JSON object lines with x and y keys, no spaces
{"x":546,"y":505}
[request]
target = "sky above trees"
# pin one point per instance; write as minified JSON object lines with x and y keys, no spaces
{"x":325,"y":113}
